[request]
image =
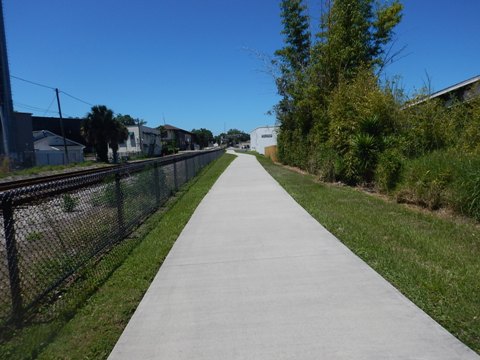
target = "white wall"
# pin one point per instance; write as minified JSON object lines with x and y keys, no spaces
{"x":45,"y":157}
{"x":133,"y":143}
{"x":262,"y":137}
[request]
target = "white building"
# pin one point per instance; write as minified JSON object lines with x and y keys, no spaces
{"x":141,"y":140}
{"x":50,"y":149}
{"x":262,"y":137}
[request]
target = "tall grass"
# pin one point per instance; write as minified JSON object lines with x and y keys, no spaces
{"x":443,"y":179}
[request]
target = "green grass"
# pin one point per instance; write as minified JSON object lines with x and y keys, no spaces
{"x":432,"y":260}
{"x":98,"y":310}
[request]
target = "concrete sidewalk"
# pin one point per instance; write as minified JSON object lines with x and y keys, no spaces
{"x":254,"y":276}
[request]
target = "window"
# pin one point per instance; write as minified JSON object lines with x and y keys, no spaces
{"x":267,"y":136}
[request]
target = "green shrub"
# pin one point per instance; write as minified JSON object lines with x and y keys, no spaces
{"x":443,"y":178}
{"x":466,"y":187}
{"x":389,"y":170}
{"x":362,"y":115}
{"x":426,"y":180}
{"x":293,"y":148}
{"x":426,"y":127}
{"x":469,"y":133}
{"x":326,"y":163}
{"x":364,"y":152}
{"x":69,"y":203}
{"x":34,"y":236}
{"x":360,"y":106}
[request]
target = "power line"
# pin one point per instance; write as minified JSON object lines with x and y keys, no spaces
{"x":49,"y":106}
{"x":31,"y":107}
{"x":73,"y":97}
{"x":51,"y":88}
{"x":36,"y":108}
{"x":33,"y":82}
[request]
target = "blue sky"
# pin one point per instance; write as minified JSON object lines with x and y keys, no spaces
{"x":192,"y":62}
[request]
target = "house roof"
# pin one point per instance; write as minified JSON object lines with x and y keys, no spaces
{"x":447,"y":90}
{"x":53,"y":139}
{"x":455,"y":87}
{"x":144,"y":129}
{"x":171,"y":127}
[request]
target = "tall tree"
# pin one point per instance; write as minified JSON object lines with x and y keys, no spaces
{"x":100,"y":128}
{"x":294,"y":57}
{"x":293,"y":112}
{"x":353,"y":36}
{"x":128,"y":120}
{"x":237,"y":136}
{"x":203,"y":137}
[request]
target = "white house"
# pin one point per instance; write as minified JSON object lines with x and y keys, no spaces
{"x":50,"y":149}
{"x":141,"y":140}
{"x":262,"y":137}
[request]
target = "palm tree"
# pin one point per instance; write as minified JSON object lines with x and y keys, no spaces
{"x":100,"y":128}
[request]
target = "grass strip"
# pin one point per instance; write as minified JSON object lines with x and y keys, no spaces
{"x":434,"y":261}
{"x":96,"y":325}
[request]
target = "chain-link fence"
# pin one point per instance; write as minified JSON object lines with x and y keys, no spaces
{"x":50,"y":231}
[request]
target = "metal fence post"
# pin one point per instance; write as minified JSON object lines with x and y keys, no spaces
{"x":119,"y":198}
{"x":156,"y":181}
{"x":12,"y":259}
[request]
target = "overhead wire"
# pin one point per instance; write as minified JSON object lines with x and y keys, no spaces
{"x":51,"y":88}
{"x":29,"y":107}
{"x":49,"y":106}
{"x":73,"y":97}
{"x":39,"y":109}
{"x":32,"y":82}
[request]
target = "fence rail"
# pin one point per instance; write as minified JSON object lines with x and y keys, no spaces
{"x":50,"y":230}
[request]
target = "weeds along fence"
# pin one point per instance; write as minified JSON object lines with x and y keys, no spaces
{"x":50,"y":231}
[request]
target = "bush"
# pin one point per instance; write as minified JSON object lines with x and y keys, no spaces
{"x":364,"y":153}
{"x":426,"y":180}
{"x":362,"y":115}
{"x":293,"y":148}
{"x":69,"y":203}
{"x":426,"y":127}
{"x":469,"y":132}
{"x":34,"y":236}
{"x":466,"y":187}
{"x":326,"y":163}
{"x":443,"y":178}
{"x":389,"y":170}
{"x":360,"y":106}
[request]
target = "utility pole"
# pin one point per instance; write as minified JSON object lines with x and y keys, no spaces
{"x":7,"y":130}
{"x":61,"y":127}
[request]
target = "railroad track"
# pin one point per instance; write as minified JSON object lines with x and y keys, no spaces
{"x":40,"y":180}
{"x":15,"y":184}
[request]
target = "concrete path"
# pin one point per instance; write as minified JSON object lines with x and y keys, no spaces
{"x":254,"y":276}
